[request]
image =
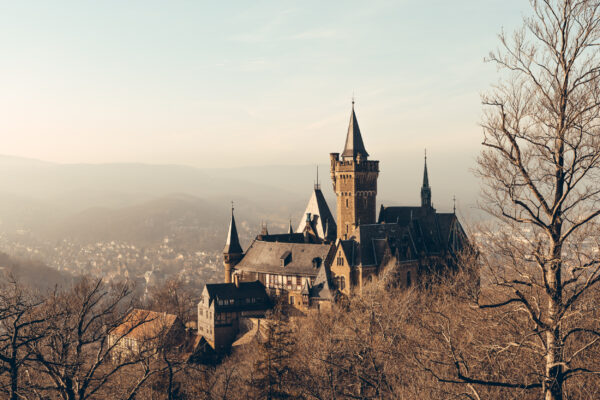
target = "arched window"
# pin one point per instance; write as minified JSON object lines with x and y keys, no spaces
{"x":408,"y":281}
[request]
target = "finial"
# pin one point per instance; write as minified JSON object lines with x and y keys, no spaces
{"x":454,"y":201}
{"x":353,"y":99}
{"x":317,"y":183}
{"x":425,"y":155}
{"x":231,"y":207}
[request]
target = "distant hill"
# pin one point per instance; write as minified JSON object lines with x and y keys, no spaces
{"x":143,"y":202}
{"x":30,"y":273}
{"x":85,"y":199}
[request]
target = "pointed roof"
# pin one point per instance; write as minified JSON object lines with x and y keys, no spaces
{"x":320,"y":215}
{"x":305,"y":288}
{"x":425,"y":175}
{"x":322,"y":289}
{"x":290,"y":230}
{"x":232,"y":245}
{"x":354,"y":143}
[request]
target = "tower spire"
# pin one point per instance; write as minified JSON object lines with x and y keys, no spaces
{"x":290,"y":230}
{"x":425,"y":175}
{"x":354,"y":144}
{"x":232,"y":253}
{"x":232,"y":244}
{"x":425,"y":189}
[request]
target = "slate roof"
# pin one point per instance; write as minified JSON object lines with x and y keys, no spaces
{"x":400,"y":215}
{"x":322,"y":289}
{"x":265,"y":257}
{"x":246,"y":290}
{"x":409,"y":232}
{"x":232,"y":245}
{"x":288,"y":238}
{"x":320,"y":216}
{"x":354,"y":143}
{"x":229,"y":291}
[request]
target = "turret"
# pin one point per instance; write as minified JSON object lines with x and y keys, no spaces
{"x":232,"y":253}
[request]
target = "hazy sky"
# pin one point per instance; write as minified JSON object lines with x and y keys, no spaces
{"x":226,"y":83}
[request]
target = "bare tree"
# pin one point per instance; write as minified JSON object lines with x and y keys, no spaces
{"x":175,"y":298}
{"x":75,"y":359}
{"x":21,"y":326}
{"x":540,"y":168}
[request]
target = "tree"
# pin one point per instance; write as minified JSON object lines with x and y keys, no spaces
{"x":271,"y":372}
{"x":74,"y":360}
{"x":21,"y":326}
{"x":175,"y":298}
{"x":540,"y":168}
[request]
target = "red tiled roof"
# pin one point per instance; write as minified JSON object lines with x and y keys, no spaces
{"x":144,"y":324}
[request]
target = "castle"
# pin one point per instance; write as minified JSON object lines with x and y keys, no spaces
{"x":325,"y":258}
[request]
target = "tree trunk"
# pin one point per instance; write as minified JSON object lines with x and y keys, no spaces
{"x":553,"y":385}
{"x":14,"y":380}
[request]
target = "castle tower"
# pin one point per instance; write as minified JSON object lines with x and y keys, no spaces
{"x":425,"y":189}
{"x":354,"y":182}
{"x":232,"y":253}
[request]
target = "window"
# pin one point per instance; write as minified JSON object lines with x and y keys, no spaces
{"x":291,"y":299}
{"x":408,"y":280}
{"x":340,"y":261}
{"x":346,"y":202}
{"x":340,"y":282}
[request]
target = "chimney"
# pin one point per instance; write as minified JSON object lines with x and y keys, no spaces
{"x":236,"y":280}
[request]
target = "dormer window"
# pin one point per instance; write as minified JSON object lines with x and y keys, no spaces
{"x":286,"y":258}
{"x":316,"y":262}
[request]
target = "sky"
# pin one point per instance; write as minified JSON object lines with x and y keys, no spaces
{"x":237,"y":83}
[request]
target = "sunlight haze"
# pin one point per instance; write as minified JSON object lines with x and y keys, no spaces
{"x":230,"y":84}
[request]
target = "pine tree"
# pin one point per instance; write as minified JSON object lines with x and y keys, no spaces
{"x":271,"y":374}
